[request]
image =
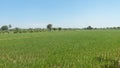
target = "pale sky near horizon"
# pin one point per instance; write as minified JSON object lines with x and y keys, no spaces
{"x":60,"y":13}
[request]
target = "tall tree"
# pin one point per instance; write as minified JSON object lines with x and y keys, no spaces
{"x":10,"y":26}
{"x":49,"y":27}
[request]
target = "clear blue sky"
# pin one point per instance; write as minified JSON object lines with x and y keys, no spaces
{"x":60,"y":13}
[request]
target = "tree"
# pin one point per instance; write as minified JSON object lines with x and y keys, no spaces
{"x":17,"y":29}
{"x":89,"y":27}
{"x":118,"y":27}
{"x":54,"y":29}
{"x":49,"y":26}
{"x":5,"y":27}
{"x":59,"y":28}
{"x":10,"y":26}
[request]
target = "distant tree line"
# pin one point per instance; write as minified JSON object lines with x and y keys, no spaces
{"x":49,"y":27}
{"x":9,"y":29}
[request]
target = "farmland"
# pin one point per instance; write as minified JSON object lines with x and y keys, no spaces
{"x":61,"y":49}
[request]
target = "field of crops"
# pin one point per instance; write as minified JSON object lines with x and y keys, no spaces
{"x":61,"y":49}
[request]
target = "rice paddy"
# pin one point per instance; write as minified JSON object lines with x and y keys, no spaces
{"x":61,"y":49}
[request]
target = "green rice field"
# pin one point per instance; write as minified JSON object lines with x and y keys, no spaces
{"x":61,"y":49}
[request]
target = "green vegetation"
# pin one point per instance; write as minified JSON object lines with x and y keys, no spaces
{"x":4,"y":27}
{"x":49,"y":27}
{"x":61,"y":49}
